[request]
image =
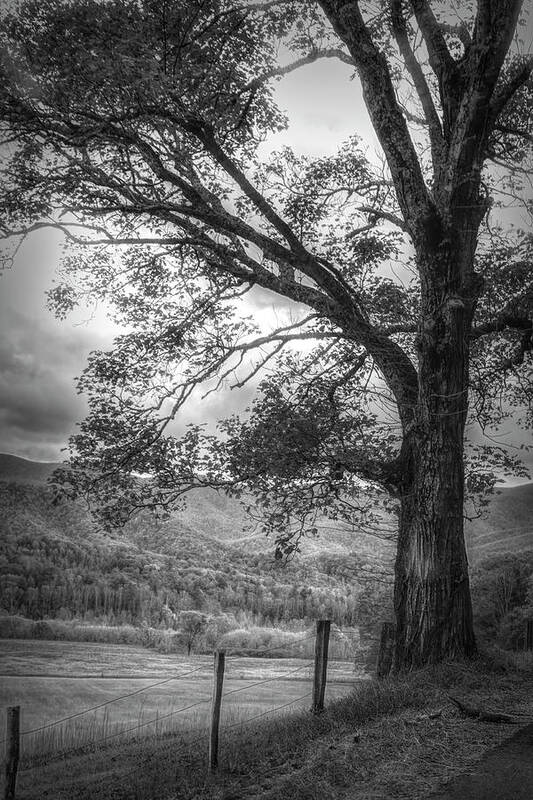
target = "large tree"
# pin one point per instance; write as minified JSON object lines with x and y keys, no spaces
{"x":141,"y":129}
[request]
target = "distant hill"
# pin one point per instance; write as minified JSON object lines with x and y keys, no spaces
{"x":507,"y":525}
{"x":55,"y":561}
{"x":207,"y":556}
{"x":20,"y":470}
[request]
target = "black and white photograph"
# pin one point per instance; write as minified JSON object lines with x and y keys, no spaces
{"x":266,"y":399}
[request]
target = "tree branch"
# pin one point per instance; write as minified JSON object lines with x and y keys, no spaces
{"x":473,"y":121}
{"x":509,"y":321}
{"x":386,"y":115}
{"x":440,"y":59}
{"x":399,"y":28}
{"x":315,"y":55}
{"x":380,"y":214}
{"x":503,"y":94}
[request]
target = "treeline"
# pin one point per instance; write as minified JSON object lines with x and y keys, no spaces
{"x":54,"y":563}
{"x":194,"y":632}
{"x":502,"y":593}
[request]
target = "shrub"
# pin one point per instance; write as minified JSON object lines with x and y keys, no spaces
{"x":42,"y":630}
{"x":511,"y":630}
{"x":12,"y":627}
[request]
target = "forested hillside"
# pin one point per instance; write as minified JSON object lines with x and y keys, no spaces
{"x":55,"y":562}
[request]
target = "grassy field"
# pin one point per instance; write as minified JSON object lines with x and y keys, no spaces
{"x":56,"y":680}
{"x":398,"y":739}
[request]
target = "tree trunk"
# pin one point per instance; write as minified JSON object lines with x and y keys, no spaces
{"x":432,"y":593}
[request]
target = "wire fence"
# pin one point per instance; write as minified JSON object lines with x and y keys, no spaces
{"x":310,"y":670}
{"x":62,"y":720}
{"x":236,"y":658}
{"x":203,"y":737}
{"x":170,"y":751}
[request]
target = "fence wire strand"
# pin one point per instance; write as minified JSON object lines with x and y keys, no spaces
{"x":107,"y":703}
{"x":148,"y":722}
{"x":201,"y":702}
{"x":157,"y":719}
{"x":267,"y":680}
{"x":261,"y":652}
{"x":60,"y":721}
{"x":204,"y":736}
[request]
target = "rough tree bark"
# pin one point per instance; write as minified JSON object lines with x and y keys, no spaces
{"x":432,"y":595}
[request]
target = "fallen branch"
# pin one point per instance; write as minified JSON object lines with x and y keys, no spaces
{"x":424,"y":717}
{"x":481,"y":715}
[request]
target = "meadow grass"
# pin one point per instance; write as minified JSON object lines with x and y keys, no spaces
{"x":151,"y":698}
{"x":397,"y":738}
{"x":100,"y":729}
{"x":106,"y":727}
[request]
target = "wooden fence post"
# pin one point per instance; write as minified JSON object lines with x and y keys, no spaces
{"x":529,"y":634}
{"x":386,"y":649}
{"x":218,"y":681}
{"x":321,"y":664}
{"x":13,"y":751}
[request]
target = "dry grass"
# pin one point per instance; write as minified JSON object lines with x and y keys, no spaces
{"x":408,"y":754}
{"x":381,"y":742}
{"x":67,"y":677}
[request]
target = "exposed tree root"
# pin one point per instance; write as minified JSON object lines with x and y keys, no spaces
{"x":483,"y":716}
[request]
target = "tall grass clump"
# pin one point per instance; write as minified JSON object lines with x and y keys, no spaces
{"x":101,"y":730}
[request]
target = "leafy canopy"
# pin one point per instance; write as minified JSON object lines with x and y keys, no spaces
{"x":140,"y":129}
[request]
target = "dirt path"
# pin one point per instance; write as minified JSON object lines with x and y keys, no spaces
{"x":504,"y":773}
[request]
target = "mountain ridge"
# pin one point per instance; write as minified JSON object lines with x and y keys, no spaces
{"x":218,"y":518}
{"x":55,"y":560}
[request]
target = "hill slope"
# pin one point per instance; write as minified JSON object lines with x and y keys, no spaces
{"x":507,"y":526}
{"x":55,"y":559}
{"x":21,"y":470}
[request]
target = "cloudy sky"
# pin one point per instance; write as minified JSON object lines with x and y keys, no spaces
{"x":40,"y":356}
